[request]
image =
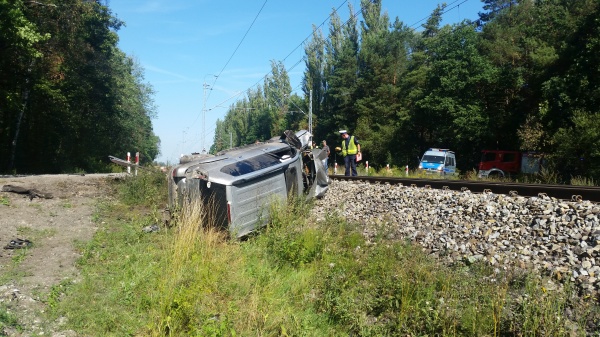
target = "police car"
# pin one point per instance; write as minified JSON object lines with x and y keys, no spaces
{"x":438,"y":161}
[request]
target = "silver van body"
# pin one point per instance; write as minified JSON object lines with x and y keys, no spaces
{"x":239,"y":184}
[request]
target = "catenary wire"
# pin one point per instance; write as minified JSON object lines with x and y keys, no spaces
{"x":448,"y":9}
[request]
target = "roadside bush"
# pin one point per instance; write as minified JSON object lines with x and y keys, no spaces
{"x":289,"y":240}
{"x":148,"y":188}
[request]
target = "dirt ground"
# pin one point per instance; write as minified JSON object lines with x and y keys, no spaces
{"x":53,"y":226}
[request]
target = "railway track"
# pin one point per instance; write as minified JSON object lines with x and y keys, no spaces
{"x":564,"y":192}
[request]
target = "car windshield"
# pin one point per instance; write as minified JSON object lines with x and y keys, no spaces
{"x":433,"y":159}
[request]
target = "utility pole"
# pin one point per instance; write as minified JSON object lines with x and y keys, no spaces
{"x":310,"y":114}
{"x":205,"y":86}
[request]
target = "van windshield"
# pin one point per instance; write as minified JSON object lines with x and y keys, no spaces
{"x":433,"y":159}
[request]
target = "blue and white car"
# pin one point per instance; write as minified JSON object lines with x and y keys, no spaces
{"x":438,"y":161}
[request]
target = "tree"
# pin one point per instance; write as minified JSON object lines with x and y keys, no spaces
{"x":382,"y":63}
{"x":73,"y":97}
{"x":494,"y":8}
{"x":342,"y":71}
{"x":19,"y":51}
{"x":277,"y":89}
{"x":314,"y":81}
{"x":571,"y":91}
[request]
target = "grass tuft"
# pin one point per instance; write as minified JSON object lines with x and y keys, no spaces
{"x":582,"y":181}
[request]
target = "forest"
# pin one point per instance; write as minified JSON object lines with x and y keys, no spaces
{"x":68,"y":96}
{"x":524,"y":75}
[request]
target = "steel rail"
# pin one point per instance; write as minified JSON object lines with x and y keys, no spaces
{"x":565,"y":192}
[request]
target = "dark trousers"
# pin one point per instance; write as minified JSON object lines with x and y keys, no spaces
{"x":350,"y":163}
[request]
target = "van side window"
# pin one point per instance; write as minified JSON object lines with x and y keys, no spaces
{"x":448,"y":161}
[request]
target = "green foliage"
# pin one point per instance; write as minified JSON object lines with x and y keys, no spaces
{"x":298,"y":277}
{"x":69,"y":96}
{"x":392,"y":289}
{"x":146,"y":189}
{"x":582,"y":181}
{"x":522,"y":77}
{"x":267,"y":112}
{"x":288,"y":240}
{"x":548,"y":176}
{"x":19,"y":257}
{"x":8,"y":320}
{"x":120,"y":267}
{"x":577,"y":146}
{"x":57,"y":292}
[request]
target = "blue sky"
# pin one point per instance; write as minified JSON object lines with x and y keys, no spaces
{"x":185,"y":44}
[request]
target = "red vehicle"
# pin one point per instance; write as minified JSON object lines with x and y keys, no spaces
{"x":501,"y":163}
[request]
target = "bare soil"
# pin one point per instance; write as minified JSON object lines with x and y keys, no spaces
{"x":54,"y":226}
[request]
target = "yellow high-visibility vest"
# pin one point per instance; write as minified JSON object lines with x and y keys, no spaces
{"x":352,"y":149}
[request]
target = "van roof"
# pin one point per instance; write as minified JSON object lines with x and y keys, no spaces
{"x":435,"y":149}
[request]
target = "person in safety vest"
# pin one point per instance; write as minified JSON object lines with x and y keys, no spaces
{"x":350,"y":147}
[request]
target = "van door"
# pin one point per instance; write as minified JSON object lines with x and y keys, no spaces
{"x":249,"y":202}
{"x":449,"y":165}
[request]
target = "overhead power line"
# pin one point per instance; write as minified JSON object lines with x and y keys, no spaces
{"x":289,"y":54}
{"x":444,"y":12}
{"x":450,"y":7}
{"x":239,"y":44}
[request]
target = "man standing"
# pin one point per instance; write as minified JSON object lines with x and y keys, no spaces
{"x":326,"y":150}
{"x":350,"y":147}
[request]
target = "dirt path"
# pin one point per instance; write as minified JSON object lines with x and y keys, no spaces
{"x":53,"y":226}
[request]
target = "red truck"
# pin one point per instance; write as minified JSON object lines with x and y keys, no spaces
{"x":500,"y":163}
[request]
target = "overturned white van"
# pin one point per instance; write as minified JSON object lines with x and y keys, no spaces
{"x":240,"y":183}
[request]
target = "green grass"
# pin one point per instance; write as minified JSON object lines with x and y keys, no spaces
{"x":294,"y":278}
{"x":8,"y":320}
{"x":34,"y":234}
{"x":394,"y":171}
{"x":545,"y":176}
{"x":582,"y":181}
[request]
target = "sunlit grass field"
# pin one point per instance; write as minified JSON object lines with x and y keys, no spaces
{"x":295,"y":277}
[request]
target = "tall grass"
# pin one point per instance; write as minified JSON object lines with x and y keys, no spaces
{"x":394,"y":171}
{"x":299,"y":277}
{"x":215,"y":286}
{"x":197,"y":255}
{"x":582,"y":181}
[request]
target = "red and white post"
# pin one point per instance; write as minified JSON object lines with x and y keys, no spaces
{"x":387,"y":167}
{"x":137,"y":161}
{"x":129,"y":162}
{"x":406,"y":170}
{"x":367,"y":166}
{"x":335,"y":168}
